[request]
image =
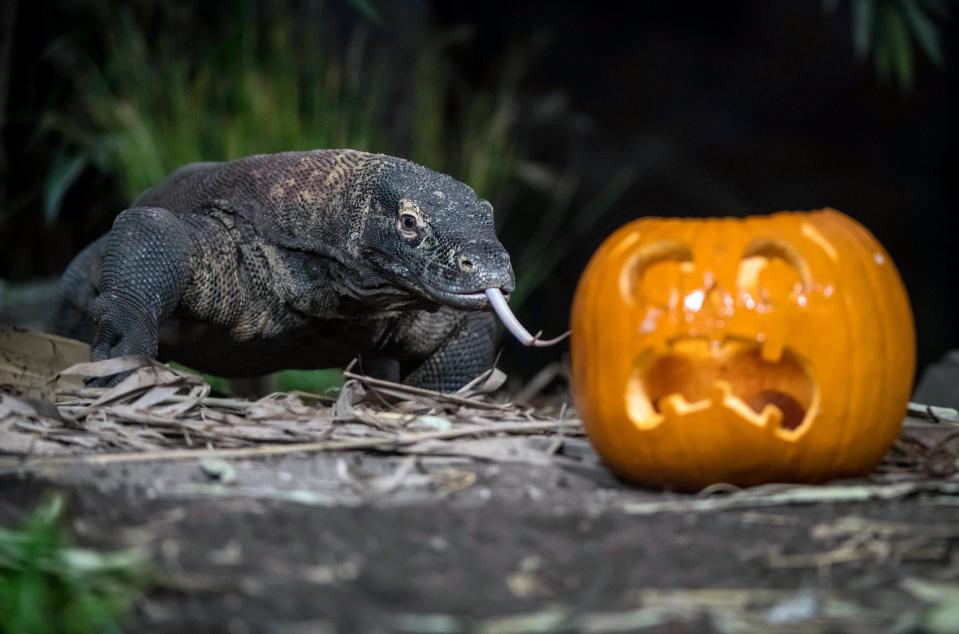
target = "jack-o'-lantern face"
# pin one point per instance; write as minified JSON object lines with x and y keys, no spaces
{"x":767,"y":348}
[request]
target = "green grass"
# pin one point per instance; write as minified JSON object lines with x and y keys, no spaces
{"x":321,"y":382}
{"x":49,"y":586}
{"x":158,"y":104}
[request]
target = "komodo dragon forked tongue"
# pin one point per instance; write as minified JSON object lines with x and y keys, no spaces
{"x":501,"y":308}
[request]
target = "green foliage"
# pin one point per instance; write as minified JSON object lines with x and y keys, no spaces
{"x":63,"y":174}
{"x":157,"y":105}
{"x":312,"y":381}
{"x":323,"y":382}
{"x":48,"y":586}
{"x":889,"y":31}
{"x":367,"y":9}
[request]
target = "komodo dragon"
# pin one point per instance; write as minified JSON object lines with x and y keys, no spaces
{"x":298,"y":260}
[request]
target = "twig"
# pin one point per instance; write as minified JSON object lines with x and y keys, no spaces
{"x":539,"y":382}
{"x":857,"y":548}
{"x":794,"y":496}
{"x":209,"y":401}
{"x":297,"y":496}
{"x":933,"y":413}
{"x":310,"y":447}
{"x":419,"y":391}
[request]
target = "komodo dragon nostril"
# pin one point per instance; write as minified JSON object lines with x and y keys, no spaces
{"x":466,"y":265}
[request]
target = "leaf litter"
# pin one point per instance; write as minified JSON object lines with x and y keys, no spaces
{"x":158,"y":413}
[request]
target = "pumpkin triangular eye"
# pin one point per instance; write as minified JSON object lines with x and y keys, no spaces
{"x":658,"y":272}
{"x":771,"y":271}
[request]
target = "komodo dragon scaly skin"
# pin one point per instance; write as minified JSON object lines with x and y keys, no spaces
{"x":296,"y":260}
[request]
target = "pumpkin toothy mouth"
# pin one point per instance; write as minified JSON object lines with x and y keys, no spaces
{"x":694,"y":373}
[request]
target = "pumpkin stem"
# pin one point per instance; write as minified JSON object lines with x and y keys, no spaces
{"x":501,"y":308}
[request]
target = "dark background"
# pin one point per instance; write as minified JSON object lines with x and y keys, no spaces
{"x":728,"y":108}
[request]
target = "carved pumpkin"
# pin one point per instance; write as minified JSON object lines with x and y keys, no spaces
{"x":769,"y":348}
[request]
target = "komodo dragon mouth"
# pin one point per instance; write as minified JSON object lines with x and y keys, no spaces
{"x":495,"y":299}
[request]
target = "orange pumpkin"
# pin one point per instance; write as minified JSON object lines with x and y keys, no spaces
{"x":768,"y":348}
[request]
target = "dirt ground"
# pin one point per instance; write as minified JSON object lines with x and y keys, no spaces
{"x":378,"y":542}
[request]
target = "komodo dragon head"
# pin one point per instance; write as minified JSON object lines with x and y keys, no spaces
{"x":434,"y":237}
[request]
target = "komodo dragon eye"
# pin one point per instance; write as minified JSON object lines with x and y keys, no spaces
{"x":407,"y":225}
{"x":409,"y":220}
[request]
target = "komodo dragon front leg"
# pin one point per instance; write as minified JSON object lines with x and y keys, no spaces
{"x":145,"y":270}
{"x":444,"y":350}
